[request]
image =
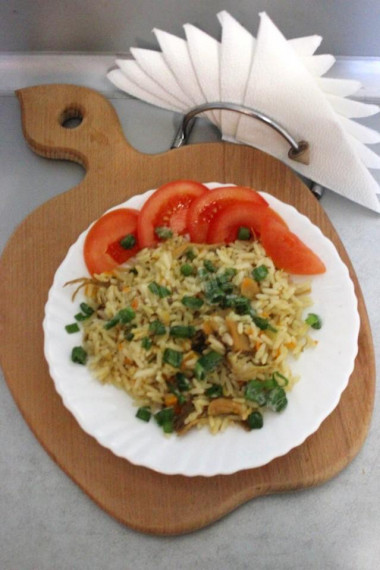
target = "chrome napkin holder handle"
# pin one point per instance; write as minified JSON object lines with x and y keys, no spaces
{"x":299,"y":151}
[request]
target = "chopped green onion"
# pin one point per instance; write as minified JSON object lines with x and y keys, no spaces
{"x":203,"y":273}
{"x":314,"y":321}
{"x":182,"y":382}
{"x":242,"y":305}
{"x":146,"y":343}
{"x":112,"y":322}
{"x":79,"y":355}
{"x":254,"y":392}
{"x":182,"y":331}
{"x":128,"y":241}
{"x":190,"y":254}
{"x":163,"y":232}
{"x":276,"y":399}
{"x":86,"y":309}
{"x":81,"y":317}
{"x":213,"y":291}
{"x":285,"y":381}
{"x":209,"y":266}
{"x":199,"y":371}
{"x":192,"y":302}
{"x":168,"y":427}
{"x":158,"y":290}
{"x":244,"y":233}
{"x":186,"y":269}
{"x":255,"y":420}
{"x":263,"y":324}
{"x":215,"y":391}
{"x":173,"y":357}
{"x":73,"y":328}
{"x":163,"y":416}
{"x":260,"y":272}
{"x":126,"y":315}
{"x":157,"y":327}
{"x":144,"y":414}
{"x":207,"y":363}
{"x":226,"y":276}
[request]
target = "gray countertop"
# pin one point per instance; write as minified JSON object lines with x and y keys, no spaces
{"x":47,"y":522}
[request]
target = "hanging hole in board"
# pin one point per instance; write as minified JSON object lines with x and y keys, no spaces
{"x":71,"y":118}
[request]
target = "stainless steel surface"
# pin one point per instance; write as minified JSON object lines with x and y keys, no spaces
{"x":47,"y":523}
{"x":182,"y":134}
{"x":347,"y":27}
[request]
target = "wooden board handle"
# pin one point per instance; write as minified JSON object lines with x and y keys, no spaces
{"x":45,"y":112}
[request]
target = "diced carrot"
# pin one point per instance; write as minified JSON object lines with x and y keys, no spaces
{"x":249,"y":288}
{"x":135,"y":303}
{"x":207,"y":327}
{"x":170,"y":399}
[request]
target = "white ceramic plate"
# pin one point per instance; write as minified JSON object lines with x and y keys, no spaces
{"x":108,"y":414}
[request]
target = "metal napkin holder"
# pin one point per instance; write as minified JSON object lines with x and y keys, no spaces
{"x":299,"y":150}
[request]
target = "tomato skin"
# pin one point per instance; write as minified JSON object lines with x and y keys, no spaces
{"x":203,"y":209}
{"x":225,"y":225}
{"x":171,"y":200}
{"x":102,"y":251}
{"x":287,"y":250}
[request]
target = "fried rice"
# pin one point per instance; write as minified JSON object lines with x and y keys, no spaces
{"x":195,"y":335}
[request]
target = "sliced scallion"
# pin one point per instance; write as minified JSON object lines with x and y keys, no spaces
{"x":146,"y":343}
{"x":86,"y":309}
{"x":182,"y":382}
{"x":72,"y":328}
{"x":173,"y":357}
{"x":260,"y":273}
{"x":192,"y":302}
{"x":144,"y":414}
{"x":190,"y":254}
{"x":157,"y":327}
{"x":128,"y":241}
{"x":244,"y":233}
{"x":276,"y":399}
{"x":186,"y":269}
{"x":255,"y":420}
{"x":215,"y":391}
{"x":163,"y":416}
{"x":314,"y":321}
{"x":182,"y":331}
{"x":79,"y":355}
{"x":209,"y":266}
{"x":159,"y":290}
{"x":163,"y":232}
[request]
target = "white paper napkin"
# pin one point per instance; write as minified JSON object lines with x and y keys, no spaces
{"x":279,"y":77}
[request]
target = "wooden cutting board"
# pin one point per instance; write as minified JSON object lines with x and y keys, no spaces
{"x":141,"y":498}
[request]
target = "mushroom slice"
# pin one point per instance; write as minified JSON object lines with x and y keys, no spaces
{"x":222,"y":406}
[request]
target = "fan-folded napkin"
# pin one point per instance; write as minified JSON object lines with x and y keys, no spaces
{"x":278,"y":77}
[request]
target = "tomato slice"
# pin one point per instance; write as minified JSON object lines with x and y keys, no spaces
{"x":102,"y":249}
{"x":224,"y":227}
{"x":204,"y":209}
{"x":168,"y":207}
{"x":287,"y":250}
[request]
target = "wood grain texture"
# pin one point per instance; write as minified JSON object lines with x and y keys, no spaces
{"x":138,"y":497}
